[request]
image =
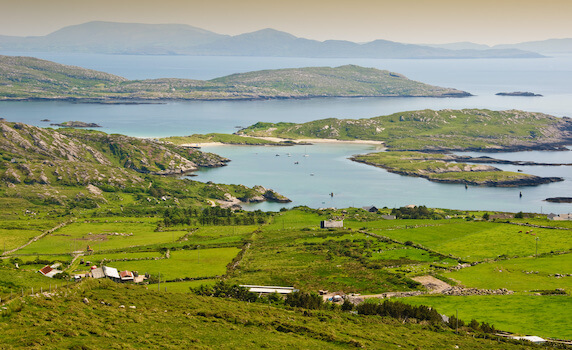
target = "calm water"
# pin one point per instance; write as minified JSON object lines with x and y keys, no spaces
{"x":353,"y":184}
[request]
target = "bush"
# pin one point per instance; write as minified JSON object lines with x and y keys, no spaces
{"x":304,"y":300}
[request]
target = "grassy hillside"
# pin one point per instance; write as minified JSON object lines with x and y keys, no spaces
{"x":467,"y":129}
{"x":104,"y":315}
{"x":31,"y":78}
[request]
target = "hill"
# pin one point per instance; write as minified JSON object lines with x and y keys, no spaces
{"x":30,"y":78}
{"x":72,"y":167}
{"x":467,"y":129}
{"x":136,"y":38}
{"x":105,"y":315}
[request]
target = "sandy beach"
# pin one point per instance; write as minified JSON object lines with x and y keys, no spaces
{"x":277,"y":139}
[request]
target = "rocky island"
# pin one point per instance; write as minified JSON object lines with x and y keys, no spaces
{"x":443,"y":168}
{"x":519,"y":93}
{"x":76,"y":124}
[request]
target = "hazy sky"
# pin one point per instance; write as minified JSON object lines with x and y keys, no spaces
{"x":413,"y":21}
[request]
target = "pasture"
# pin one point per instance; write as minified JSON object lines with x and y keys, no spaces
{"x":544,"y":316}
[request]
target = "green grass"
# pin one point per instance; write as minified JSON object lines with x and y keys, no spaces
{"x":476,"y":241}
{"x":182,"y":321}
{"x":99,"y":235}
{"x":184,"y":264}
{"x":544,"y":316}
{"x":182,"y":287}
{"x":434,"y":168}
{"x":522,"y":274}
{"x":222,"y":138}
{"x":426,"y":129}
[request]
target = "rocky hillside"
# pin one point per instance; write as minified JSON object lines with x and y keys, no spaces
{"x":25,"y":78}
{"x":69,"y":156}
{"x":467,"y":129}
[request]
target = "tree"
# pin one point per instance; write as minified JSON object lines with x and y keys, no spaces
{"x":486,"y":216}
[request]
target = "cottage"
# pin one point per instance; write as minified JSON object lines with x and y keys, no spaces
{"x":49,"y":271}
{"x":126,"y":276}
{"x":332,"y":224}
{"x":371,"y":209}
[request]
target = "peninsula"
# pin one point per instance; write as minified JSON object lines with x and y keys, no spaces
{"x":27,"y":78}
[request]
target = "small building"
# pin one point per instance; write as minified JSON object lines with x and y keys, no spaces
{"x":371,"y":209}
{"x":264,"y":290}
{"x":97,"y":272}
{"x":111,"y":273}
{"x":561,"y":217}
{"x":388,"y":217}
{"x":49,"y":271}
{"x":126,"y":276}
{"x":332,"y":224}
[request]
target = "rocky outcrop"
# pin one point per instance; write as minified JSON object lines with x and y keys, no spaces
{"x":76,"y":124}
{"x":559,"y":199}
{"x":519,"y":93}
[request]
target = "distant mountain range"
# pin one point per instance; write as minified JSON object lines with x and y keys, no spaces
{"x":545,"y":47}
{"x":178,"y":39}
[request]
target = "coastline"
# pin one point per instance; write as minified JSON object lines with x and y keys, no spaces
{"x":294,"y":142}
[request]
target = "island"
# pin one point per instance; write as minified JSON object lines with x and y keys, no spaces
{"x":479,"y":130}
{"x":76,"y":124}
{"x":519,"y":93}
{"x":443,"y":168}
{"x":559,"y":199}
{"x":31,"y":79}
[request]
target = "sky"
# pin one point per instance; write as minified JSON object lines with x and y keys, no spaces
{"x":412,"y":21}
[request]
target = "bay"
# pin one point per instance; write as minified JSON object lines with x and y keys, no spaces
{"x":353,"y":184}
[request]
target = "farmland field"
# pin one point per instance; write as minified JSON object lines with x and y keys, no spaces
{"x":521,"y":274}
{"x":184,"y":264}
{"x":545,"y":316}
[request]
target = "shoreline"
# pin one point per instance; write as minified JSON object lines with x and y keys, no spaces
{"x":296,"y":142}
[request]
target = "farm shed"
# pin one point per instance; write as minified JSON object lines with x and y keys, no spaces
{"x":112,"y":273}
{"x":332,"y":224}
{"x":269,"y":289}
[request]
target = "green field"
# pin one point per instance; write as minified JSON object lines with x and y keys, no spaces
{"x":545,"y":316}
{"x":475,"y":241}
{"x":102,"y":235}
{"x":521,"y":274}
{"x":184,"y":264}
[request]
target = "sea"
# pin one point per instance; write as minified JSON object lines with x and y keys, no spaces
{"x":321,"y":175}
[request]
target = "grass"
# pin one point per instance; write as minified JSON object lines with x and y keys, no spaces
{"x":184,"y":264}
{"x":475,"y":241}
{"x":475,"y":129}
{"x":177,"y":321}
{"x":222,"y":138}
{"x":545,"y":316}
{"x":100,"y":235}
{"x":434,"y":167}
{"x":522,"y":274}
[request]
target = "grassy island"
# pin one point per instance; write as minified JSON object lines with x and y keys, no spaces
{"x":443,"y":168}
{"x":26,"y":78}
{"x":429,"y":130}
